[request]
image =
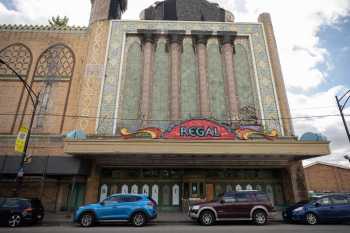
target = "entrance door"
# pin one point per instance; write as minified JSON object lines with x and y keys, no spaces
{"x":166,"y":196}
{"x":155,"y":193}
{"x":176,"y":195}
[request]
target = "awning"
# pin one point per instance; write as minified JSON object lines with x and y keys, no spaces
{"x":290,"y":148}
{"x":49,"y":165}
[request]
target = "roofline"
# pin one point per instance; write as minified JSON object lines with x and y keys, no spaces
{"x":326,"y":164}
{"x":41,"y":28}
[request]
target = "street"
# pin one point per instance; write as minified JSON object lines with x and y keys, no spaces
{"x":187,"y":228}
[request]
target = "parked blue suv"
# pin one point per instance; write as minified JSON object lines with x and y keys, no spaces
{"x":328,"y":208}
{"x":133,"y":208}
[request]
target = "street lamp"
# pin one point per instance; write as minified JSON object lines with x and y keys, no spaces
{"x":35,"y":101}
{"x":341,"y":107}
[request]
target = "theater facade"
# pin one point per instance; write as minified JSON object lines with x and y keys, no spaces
{"x":182,"y":105}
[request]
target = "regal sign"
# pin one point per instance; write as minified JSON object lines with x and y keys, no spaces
{"x":199,"y":129}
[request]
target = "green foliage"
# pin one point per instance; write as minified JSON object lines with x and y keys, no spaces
{"x":58,"y":21}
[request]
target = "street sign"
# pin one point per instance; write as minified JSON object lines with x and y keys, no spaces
{"x":21,"y":139}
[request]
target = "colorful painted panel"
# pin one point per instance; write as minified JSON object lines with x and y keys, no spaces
{"x":160,"y":92}
{"x":199,"y":129}
{"x":189,"y":82}
{"x":129,"y":116}
{"x":216,"y":82}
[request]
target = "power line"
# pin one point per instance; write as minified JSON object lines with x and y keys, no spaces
{"x":130,"y":119}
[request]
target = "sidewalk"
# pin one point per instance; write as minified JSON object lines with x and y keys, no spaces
{"x":65,"y":218}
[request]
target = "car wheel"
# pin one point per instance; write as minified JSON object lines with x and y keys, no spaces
{"x":311,"y":219}
{"x":259,"y":217}
{"x":207,"y":218}
{"x":87,"y":220}
{"x":14,"y":220}
{"x":138,"y":219}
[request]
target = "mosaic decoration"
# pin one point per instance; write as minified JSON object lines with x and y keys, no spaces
{"x":152,"y":133}
{"x":122,"y":29}
{"x":56,"y":62}
{"x":131,"y":86}
{"x":216,"y":81}
{"x":161,"y":87}
{"x":189,"y":82}
{"x":245,"y":133}
{"x":17,"y":56}
{"x":199,"y":129}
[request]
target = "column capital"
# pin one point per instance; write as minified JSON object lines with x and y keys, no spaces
{"x":227,"y":37}
{"x":147,"y":35}
{"x":175,"y":38}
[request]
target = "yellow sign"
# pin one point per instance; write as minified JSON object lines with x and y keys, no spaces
{"x":21,"y":140}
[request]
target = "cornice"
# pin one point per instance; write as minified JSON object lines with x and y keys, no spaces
{"x":41,"y":28}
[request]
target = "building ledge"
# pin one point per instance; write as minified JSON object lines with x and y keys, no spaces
{"x":105,"y":146}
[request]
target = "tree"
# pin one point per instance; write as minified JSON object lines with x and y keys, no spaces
{"x":58,"y":21}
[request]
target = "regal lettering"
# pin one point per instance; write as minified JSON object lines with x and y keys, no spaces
{"x":199,"y":132}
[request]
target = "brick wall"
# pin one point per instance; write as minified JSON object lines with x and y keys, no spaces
{"x":325,"y":178}
{"x":38,"y":41}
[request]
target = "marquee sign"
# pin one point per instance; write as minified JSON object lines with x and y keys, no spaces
{"x":199,"y":129}
{"x":202,"y":129}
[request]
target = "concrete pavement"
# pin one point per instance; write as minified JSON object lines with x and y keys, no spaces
{"x":188,"y":227}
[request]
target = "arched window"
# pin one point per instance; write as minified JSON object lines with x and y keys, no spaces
{"x":56,"y":64}
{"x":19,"y":58}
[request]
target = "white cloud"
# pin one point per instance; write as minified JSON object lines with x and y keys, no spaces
{"x":39,"y":11}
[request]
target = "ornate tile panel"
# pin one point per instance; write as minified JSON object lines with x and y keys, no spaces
{"x":189,"y":82}
{"x":160,"y":92}
{"x":216,"y":82}
{"x":122,"y":28}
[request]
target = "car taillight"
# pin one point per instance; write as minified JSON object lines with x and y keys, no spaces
{"x":28,"y":210}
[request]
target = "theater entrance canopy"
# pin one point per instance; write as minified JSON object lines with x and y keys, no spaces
{"x":197,"y":143}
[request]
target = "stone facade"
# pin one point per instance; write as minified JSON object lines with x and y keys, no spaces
{"x":323,"y":177}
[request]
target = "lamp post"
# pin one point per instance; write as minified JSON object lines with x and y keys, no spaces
{"x":341,"y":107}
{"x":35,"y":101}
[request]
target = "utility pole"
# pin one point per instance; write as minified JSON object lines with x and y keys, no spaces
{"x":341,"y":107}
{"x":35,"y":101}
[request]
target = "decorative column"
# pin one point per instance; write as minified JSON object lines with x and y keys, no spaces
{"x":294,"y":182}
{"x":175,"y":41}
{"x":227,"y":41}
{"x":148,"y":64}
{"x":265,"y":19}
{"x":201,"y":49}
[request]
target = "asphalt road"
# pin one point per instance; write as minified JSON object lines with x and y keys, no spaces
{"x":187,"y":228}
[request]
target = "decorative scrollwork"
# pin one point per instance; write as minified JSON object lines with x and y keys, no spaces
{"x":56,"y":62}
{"x":248,"y":115}
{"x":19,"y":57}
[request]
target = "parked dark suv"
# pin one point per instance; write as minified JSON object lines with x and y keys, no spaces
{"x":242,"y":205}
{"x":17,"y":211}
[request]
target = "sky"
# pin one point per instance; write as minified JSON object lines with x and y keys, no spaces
{"x":313,"y":38}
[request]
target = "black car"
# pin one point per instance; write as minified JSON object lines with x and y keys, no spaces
{"x":18,"y":211}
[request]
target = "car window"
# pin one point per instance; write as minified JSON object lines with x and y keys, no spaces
{"x":131,"y":199}
{"x":2,"y":200}
{"x":242,"y":197}
{"x":229,"y":199}
{"x":339,"y":200}
{"x":325,"y":201}
{"x":262,"y":197}
{"x":112,"y":200}
{"x":11,"y":203}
